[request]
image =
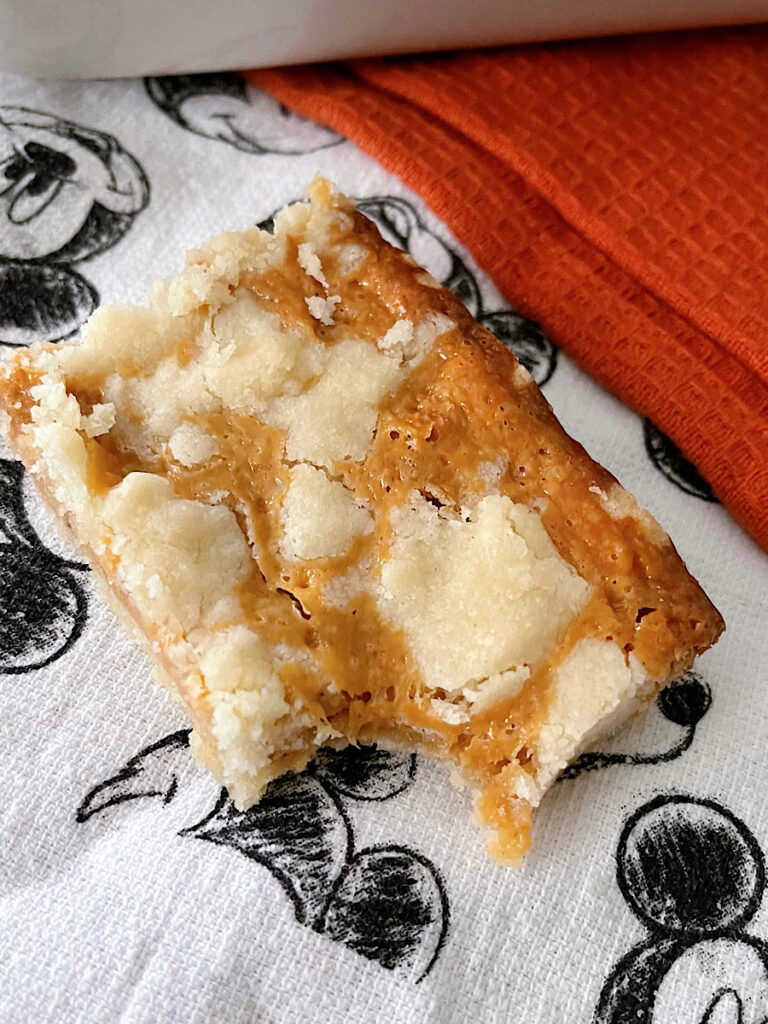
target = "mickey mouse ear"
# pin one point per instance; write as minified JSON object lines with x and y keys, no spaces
{"x":686,"y":701}
{"x":667,"y":458}
{"x":170,"y":91}
{"x":43,"y":610}
{"x":390,"y":906}
{"x":42,"y":303}
{"x":689,"y":866}
{"x":297,"y":830}
{"x":527,"y":340}
{"x":365,"y":772}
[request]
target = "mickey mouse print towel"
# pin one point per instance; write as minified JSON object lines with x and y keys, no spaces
{"x":131,"y":888}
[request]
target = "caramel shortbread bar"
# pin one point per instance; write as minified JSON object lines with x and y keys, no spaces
{"x":334,"y":508}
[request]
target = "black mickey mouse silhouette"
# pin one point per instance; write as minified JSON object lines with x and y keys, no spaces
{"x":227,"y":108}
{"x":695,"y":875}
{"x":684,"y":702}
{"x":67,"y":192}
{"x":43,"y":607}
{"x":401,"y":225}
{"x":387,"y":902}
{"x":666,"y":457}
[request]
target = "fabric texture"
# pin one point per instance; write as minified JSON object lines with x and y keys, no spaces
{"x":615,"y":191}
{"x":131,"y":890}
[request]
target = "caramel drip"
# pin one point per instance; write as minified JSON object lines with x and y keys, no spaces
{"x":104,"y":469}
{"x":510,"y":820}
{"x":496,"y":736}
{"x":16,"y":383}
{"x":365,"y":309}
{"x":284,"y":291}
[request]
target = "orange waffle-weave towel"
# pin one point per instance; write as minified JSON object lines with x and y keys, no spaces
{"x":617,"y":192}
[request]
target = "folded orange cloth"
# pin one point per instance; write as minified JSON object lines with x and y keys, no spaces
{"x":616,"y":192}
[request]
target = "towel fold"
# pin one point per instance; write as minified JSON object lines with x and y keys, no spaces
{"x":616,"y":192}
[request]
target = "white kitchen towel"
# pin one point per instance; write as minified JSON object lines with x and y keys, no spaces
{"x":132,"y":892}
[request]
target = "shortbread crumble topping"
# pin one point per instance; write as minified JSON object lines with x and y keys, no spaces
{"x":337,"y":509}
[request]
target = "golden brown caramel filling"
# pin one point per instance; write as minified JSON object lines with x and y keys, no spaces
{"x":456,"y":412}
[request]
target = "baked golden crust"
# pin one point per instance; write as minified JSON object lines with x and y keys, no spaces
{"x":337,"y":508}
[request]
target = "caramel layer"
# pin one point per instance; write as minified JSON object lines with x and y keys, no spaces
{"x":458,"y":411}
